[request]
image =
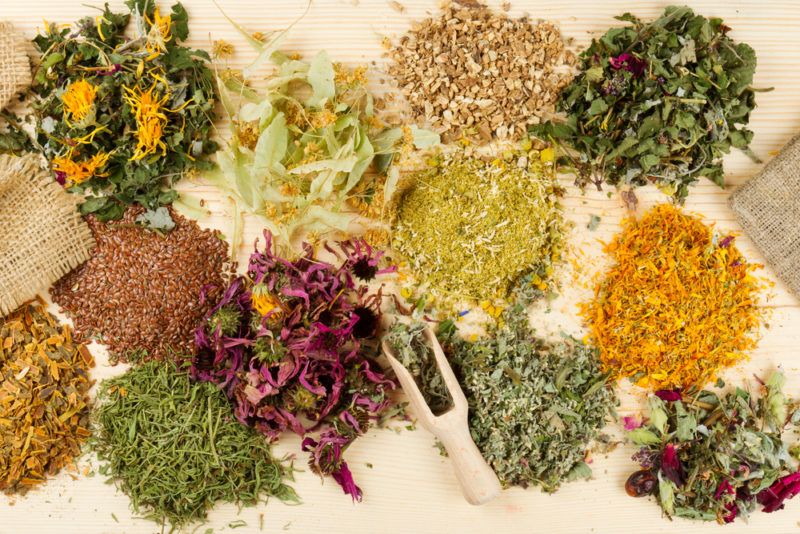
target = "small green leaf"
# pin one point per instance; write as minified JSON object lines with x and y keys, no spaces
{"x":642,"y":436}
{"x":598,"y":106}
{"x":424,"y":138}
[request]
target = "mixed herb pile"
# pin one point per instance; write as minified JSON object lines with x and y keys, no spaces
{"x":173,"y":447}
{"x":300,"y":152}
{"x":121,"y":119}
{"x":472,"y":228}
{"x":292,"y":345}
{"x":716,"y":457}
{"x":679,"y":304}
{"x":534,"y":406}
{"x":657,"y":102}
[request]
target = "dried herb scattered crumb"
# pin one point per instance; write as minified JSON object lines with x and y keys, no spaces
{"x":658,"y":102}
{"x":472,"y":228}
{"x":175,"y":449}
{"x":716,"y":457}
{"x":471,"y":72}
{"x":44,"y":402}
{"x":679,"y":304}
{"x":123,"y":119}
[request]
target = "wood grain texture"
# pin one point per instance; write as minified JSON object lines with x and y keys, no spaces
{"x":409,"y":487}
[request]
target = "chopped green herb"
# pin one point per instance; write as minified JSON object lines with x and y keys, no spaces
{"x":174,"y":447}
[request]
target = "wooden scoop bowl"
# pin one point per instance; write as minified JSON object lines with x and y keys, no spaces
{"x":479,"y":484}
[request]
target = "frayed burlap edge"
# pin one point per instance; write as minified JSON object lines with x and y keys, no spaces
{"x":42,"y":235}
{"x":768,"y":207}
{"x":15,"y":65}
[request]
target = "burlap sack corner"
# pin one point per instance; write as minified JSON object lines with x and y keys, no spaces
{"x":15,"y":65}
{"x":768,"y":207}
{"x":42,"y":235}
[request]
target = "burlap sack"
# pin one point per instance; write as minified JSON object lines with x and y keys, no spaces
{"x":768,"y":206}
{"x":15,"y":66}
{"x":42,"y":235}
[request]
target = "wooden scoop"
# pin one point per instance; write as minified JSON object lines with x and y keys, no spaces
{"x":478,"y":482}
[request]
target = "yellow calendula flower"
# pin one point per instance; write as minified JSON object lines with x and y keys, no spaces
{"x":148,"y":109}
{"x":160,"y":33}
{"x":76,"y":172}
{"x":78,"y":100}
{"x":263,"y":301}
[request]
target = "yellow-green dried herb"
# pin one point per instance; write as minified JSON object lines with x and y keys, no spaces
{"x":44,"y":406}
{"x":471,"y":228}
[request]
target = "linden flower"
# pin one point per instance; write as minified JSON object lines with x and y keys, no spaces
{"x":263,"y":302}
{"x":78,"y":99}
{"x":160,"y":33}
{"x":76,"y":172}
{"x":221,"y":49}
{"x":148,"y":110}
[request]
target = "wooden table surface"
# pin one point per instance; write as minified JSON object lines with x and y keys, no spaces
{"x":410,"y":488}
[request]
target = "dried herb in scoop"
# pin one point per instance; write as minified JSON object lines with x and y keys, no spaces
{"x":658,"y":102}
{"x":535,"y":406}
{"x":716,"y":457}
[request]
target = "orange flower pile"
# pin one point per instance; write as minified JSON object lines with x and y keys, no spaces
{"x":679,"y":304}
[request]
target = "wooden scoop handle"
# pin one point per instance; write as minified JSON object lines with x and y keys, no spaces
{"x":479,"y":484}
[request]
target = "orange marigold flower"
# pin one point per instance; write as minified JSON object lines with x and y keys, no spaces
{"x":148,"y":110}
{"x":71,"y":172}
{"x":78,"y":100}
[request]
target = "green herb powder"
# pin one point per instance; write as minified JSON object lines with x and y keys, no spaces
{"x":472,"y":228}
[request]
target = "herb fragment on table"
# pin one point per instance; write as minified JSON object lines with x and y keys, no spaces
{"x":471,"y":229}
{"x":301,"y":152}
{"x":292,"y":344}
{"x":414,"y":353}
{"x":657,"y":102}
{"x":173,"y":447}
{"x":717,"y":457}
{"x":679,"y":304}
{"x":119,"y":119}
{"x":534,"y":406}
{"x":471,"y":72}
{"x":44,"y":401}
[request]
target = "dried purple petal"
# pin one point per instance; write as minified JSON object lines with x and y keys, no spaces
{"x":782,"y":489}
{"x":671,"y":465}
{"x":668,"y":395}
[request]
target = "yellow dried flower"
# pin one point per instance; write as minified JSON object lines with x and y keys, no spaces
{"x":76,"y":172}
{"x":78,"y":100}
{"x":349,"y":77}
{"x":221,"y":49}
{"x":160,"y":33}
{"x":321,"y":119}
{"x":148,"y":110}
{"x":263,"y":301}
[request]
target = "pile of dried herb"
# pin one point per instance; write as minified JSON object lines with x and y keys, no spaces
{"x":173,"y":447}
{"x":300,"y":152}
{"x":122,"y":119}
{"x":658,"y":102}
{"x":472,"y":72}
{"x":44,"y":402}
{"x":678,"y":305}
{"x":534,"y":406}
{"x":413,"y":352}
{"x":471,"y":229}
{"x":293,"y":344}
{"x":716,"y":457}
